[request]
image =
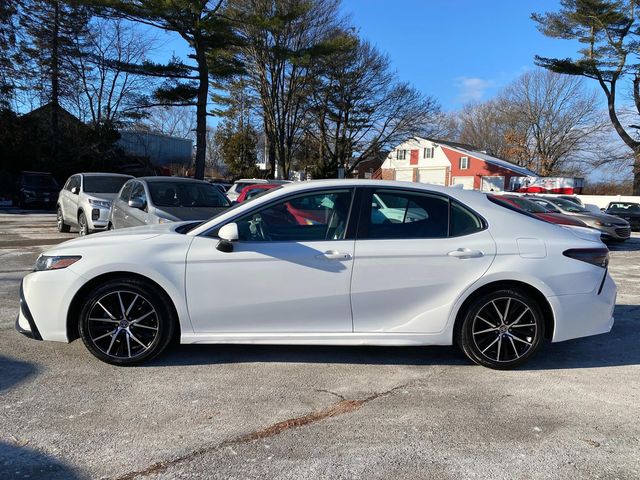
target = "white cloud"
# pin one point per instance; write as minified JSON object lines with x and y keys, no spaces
{"x":472,"y":89}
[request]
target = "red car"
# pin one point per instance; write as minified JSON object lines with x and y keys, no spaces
{"x":251,"y":191}
{"x":539,"y":211}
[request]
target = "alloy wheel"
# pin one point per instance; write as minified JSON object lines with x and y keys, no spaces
{"x":504,"y":329}
{"x":123,"y":324}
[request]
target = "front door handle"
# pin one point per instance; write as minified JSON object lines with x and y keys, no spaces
{"x":465,"y":253}
{"x":334,"y":255}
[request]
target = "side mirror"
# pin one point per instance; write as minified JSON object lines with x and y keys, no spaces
{"x":227,"y":234}
{"x":74,"y":190}
{"x":137,"y":203}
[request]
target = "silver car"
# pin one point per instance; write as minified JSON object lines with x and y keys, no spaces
{"x":153,"y":200}
{"x":85,"y":201}
{"x":610,"y":227}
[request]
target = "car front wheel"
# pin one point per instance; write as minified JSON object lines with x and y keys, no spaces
{"x":501,"y":329}
{"x":83,"y":225}
{"x":126,"y":322}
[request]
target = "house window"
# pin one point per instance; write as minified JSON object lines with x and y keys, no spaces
{"x":464,"y":163}
{"x":402,"y":154}
{"x":428,"y":152}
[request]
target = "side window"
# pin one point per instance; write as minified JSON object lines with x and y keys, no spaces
{"x":67,"y":185}
{"x":463,"y":221}
{"x":308,"y":217}
{"x":138,"y":192}
{"x":74,"y":182}
{"x":125,"y":193}
{"x":397,"y":215}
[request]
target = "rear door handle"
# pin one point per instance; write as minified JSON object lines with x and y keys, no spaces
{"x":465,"y":253}
{"x":334,"y":255}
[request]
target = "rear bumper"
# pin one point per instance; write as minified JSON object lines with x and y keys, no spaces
{"x":24,"y":321}
{"x":584,"y":315}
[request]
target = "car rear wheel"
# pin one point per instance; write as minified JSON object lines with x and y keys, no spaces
{"x":62,"y":227}
{"x":83,"y":225}
{"x":126,"y":322}
{"x":501,"y":329}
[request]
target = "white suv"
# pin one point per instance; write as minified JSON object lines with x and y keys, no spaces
{"x":85,"y":200}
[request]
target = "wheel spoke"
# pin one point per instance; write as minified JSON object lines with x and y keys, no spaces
{"x":124,"y":313}
{"x":131,"y":306}
{"x":519,"y":317}
{"x":142,"y":317}
{"x":499,"y":347}
{"x":108,"y":320}
{"x":523,"y":325}
{"x":519,"y":339}
{"x":486,"y":321}
{"x":105,"y":335}
{"x":506,"y":310}
{"x":485,"y":331}
{"x":497,"y":311}
{"x":113,"y":340}
{"x":107,"y":311}
{"x":514,"y":348}
{"x":128,"y":345}
{"x":138,"y":325}
{"x":136,"y":339}
{"x":491,"y":344}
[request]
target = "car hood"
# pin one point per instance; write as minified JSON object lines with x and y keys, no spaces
{"x":111,"y":238}
{"x":102,"y":196}
{"x":603,"y":217}
{"x":190,"y":213}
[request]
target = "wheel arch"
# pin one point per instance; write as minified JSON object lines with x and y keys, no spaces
{"x":76,"y":303}
{"x":545,"y":306}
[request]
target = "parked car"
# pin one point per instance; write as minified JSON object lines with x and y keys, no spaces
{"x":281,"y":269}
{"x":154,"y":200}
{"x":540,"y":211}
{"x":234,"y":192}
{"x":611,"y":228}
{"x":36,"y":189}
{"x":628,"y":211}
{"x":570,"y":198}
{"x":251,"y":191}
{"x":85,"y":200}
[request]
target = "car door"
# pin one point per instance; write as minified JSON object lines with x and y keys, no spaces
{"x":136,"y":217}
{"x":289,"y":272}
{"x":70,"y":200}
{"x":120,"y":206}
{"x":415,"y":253}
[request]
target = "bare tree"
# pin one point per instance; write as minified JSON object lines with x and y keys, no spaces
{"x":281,"y":38}
{"x":171,"y":120}
{"x":543,"y":121}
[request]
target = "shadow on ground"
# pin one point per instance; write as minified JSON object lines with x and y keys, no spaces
{"x":22,"y":462}
{"x":14,"y":372}
{"x":631,"y":245}
{"x":618,"y":348}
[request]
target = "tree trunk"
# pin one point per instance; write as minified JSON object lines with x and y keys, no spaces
{"x":201,"y":110}
{"x":636,"y":172}
{"x":55,"y":82}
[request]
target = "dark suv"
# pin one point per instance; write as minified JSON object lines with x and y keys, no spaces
{"x":37,"y":189}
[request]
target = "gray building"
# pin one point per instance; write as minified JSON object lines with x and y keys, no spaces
{"x":161,"y":150}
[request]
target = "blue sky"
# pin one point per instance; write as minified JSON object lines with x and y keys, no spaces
{"x":457,"y":50}
{"x":454,"y":50}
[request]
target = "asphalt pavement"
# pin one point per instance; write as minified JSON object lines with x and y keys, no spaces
{"x":273,"y":412}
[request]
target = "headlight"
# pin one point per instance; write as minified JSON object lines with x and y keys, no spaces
{"x":55,"y":263}
{"x":99,"y":203}
{"x":603,"y":224}
{"x":164,"y":220}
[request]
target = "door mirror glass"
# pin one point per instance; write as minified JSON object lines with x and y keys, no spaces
{"x":229,"y":232}
{"x":137,"y":203}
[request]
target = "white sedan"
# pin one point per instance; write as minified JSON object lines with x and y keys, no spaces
{"x":335,"y":262}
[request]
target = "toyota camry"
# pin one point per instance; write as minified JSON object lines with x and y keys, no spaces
{"x":339,"y":262}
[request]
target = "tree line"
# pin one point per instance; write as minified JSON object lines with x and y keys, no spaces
{"x":293,"y":82}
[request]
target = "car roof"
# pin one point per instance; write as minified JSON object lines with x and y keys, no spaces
{"x":172,"y":179}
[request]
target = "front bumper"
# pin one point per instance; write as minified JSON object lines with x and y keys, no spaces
{"x":98,"y":218}
{"x":619,"y":232}
{"x":24,"y":321}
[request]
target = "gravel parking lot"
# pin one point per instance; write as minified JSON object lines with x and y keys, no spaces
{"x":314,"y":412}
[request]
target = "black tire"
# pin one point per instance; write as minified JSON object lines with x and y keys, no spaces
{"x":83,"y":226}
{"x":126,"y":322}
{"x":62,"y":227}
{"x":496,"y":343}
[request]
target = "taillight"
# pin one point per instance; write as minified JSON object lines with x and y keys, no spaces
{"x":595,"y":256}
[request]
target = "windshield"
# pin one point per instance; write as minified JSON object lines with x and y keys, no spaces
{"x":186,"y":194}
{"x":39,"y":181}
{"x":103,"y":184}
{"x":567,"y":205}
{"x":526,"y":205}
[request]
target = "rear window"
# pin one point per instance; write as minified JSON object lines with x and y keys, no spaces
{"x":39,"y":181}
